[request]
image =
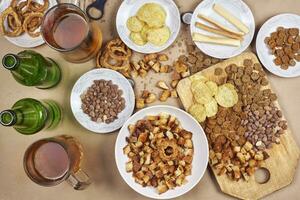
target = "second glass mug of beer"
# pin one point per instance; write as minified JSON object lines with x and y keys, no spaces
{"x":51,"y":161}
{"x":67,"y":29}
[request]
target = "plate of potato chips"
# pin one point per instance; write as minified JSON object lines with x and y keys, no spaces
{"x":148,"y":26}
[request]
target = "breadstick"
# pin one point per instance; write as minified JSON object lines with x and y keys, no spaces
{"x":231,"y":18}
{"x":217,"y":24}
{"x":217,"y":31}
{"x":215,"y":40}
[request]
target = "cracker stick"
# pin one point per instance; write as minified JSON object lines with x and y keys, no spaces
{"x":231,"y":18}
{"x":216,"y":40}
{"x":217,"y":31}
{"x":217,"y":24}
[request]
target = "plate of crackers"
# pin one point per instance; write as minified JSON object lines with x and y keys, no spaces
{"x":222,"y":28}
{"x":20,"y":21}
{"x":148,"y":26}
{"x":161,"y":152}
{"x":278,"y":45}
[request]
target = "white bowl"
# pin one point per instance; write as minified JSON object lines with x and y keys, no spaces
{"x":263,"y":52}
{"x":129,"y":8}
{"x":84,"y":82}
{"x":240,"y":10}
{"x":200,"y":159}
{"x":25,"y":40}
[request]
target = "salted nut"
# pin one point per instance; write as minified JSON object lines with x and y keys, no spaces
{"x":103,"y":101}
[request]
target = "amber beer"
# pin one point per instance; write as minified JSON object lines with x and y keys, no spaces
{"x":50,"y":161}
{"x":67,"y":29}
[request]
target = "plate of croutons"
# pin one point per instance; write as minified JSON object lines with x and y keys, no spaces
{"x":161,"y":152}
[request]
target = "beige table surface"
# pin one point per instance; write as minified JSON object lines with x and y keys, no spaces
{"x":99,"y":149}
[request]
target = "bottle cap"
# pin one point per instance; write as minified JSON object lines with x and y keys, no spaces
{"x":186,"y":17}
{"x":8,"y":118}
{"x":10,"y":61}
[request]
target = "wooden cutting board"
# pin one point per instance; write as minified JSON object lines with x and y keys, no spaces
{"x":283,"y":159}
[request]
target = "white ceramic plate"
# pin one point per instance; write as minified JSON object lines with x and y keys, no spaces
{"x":286,"y":21}
{"x":200,"y":159}
{"x":25,"y":40}
{"x":130,"y":7}
{"x":84,"y":82}
{"x":237,"y":8}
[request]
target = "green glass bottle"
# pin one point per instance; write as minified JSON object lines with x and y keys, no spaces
{"x":32,"y":69}
{"x":29,"y":116}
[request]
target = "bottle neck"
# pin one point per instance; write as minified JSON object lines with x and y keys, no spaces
{"x":10,"y":61}
{"x":8,"y":118}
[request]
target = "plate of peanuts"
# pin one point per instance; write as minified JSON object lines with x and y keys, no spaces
{"x":161,"y":152}
{"x":102,"y":100}
{"x":278,"y":45}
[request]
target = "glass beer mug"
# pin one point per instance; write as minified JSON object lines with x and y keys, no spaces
{"x":51,"y":161}
{"x":67,"y":29}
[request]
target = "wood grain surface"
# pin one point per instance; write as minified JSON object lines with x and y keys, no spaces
{"x":283,"y":157}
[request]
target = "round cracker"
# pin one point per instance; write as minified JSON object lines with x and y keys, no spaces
{"x":211,"y":108}
{"x":134,"y":24}
{"x":226,"y":96}
{"x":212,"y":86}
{"x":201,"y":92}
{"x":153,"y":14}
{"x":137,"y":38}
{"x":158,"y":36}
{"x":198,"y":112}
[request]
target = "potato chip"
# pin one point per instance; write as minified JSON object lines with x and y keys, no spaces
{"x":158,"y":36}
{"x":198,"y":112}
{"x":194,"y":85}
{"x":230,"y":86}
{"x":144,"y":32}
{"x":198,"y":78}
{"x":226,"y":96}
{"x":201,"y":92}
{"x":134,"y":24}
{"x":137,"y":38}
{"x":153,"y":14}
{"x":211,"y":108}
{"x":212,"y":86}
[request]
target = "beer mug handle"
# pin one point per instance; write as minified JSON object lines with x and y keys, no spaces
{"x":79,"y":180}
